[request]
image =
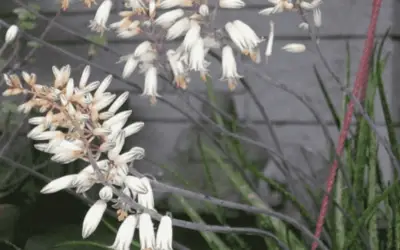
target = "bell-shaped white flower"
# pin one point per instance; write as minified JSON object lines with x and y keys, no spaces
{"x":235,"y":36}
{"x":251,"y":38}
{"x":197,"y":61}
{"x":146,"y":199}
{"x":59,"y":184}
{"x":125,"y":233}
{"x":178,"y":69}
{"x":192,"y":35}
{"x":178,"y":29}
{"x":168,"y":18}
{"x":93,"y":218}
{"x":146,"y":232}
{"x":11,"y":34}
{"x":294,"y":47}
{"x":99,"y":22}
{"x":150,"y":84}
{"x":231,"y":4}
{"x":229,"y":68}
{"x":164,"y":234}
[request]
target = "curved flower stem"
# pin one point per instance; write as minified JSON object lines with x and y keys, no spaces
{"x":358,"y":91}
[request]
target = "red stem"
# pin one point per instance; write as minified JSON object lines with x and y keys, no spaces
{"x":358,"y":92}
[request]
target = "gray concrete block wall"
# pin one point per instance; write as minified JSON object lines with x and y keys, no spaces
{"x":343,"y":21}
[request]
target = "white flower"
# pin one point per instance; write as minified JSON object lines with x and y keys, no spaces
{"x":136,"y":185}
{"x":150,"y":84}
{"x":99,"y":22}
{"x":103,"y":87}
{"x":229,"y":69}
{"x":250,"y":37}
{"x":317,"y":17}
{"x":168,"y":18}
{"x":167,"y":4}
{"x":85,"y":179}
{"x":192,"y":35}
{"x":119,"y":102}
{"x":133,"y":128}
{"x":121,"y":160}
{"x":130,"y":66}
{"x":11,"y":34}
{"x":146,"y":232}
{"x":93,"y":218}
{"x":142,"y":48}
{"x":132,"y":30}
{"x":164,"y":234}
{"x":294,"y":47}
{"x":178,"y":69}
{"x":268,"y":50}
{"x":196,"y":61}
{"x":231,"y":4}
{"x":146,"y":199}
{"x":235,"y":36}
{"x":68,"y":151}
{"x":120,"y":118}
{"x":203,"y":10}
{"x":178,"y":29}
{"x":125,"y":234}
{"x":59,"y":184}
{"x":84,"y":77}
{"x":61,"y":76}
{"x":106,"y":193}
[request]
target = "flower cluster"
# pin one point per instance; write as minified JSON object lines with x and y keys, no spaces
{"x":81,"y":121}
{"x":194,"y":24}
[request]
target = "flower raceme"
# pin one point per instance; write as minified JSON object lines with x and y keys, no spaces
{"x":194,"y":26}
{"x":82,"y":122}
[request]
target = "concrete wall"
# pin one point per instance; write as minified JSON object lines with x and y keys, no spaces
{"x":165,"y":135}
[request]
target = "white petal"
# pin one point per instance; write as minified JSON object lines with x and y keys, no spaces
{"x":164,"y":234}
{"x":147,"y":199}
{"x":119,"y":143}
{"x":136,"y":153}
{"x":294,"y":47}
{"x":125,"y":233}
{"x":135,"y":185}
{"x":119,"y":102}
{"x":133,"y":128}
{"x":103,"y":86}
{"x":93,"y":218}
{"x":59,"y":184}
{"x":84,"y":77}
{"x":146,"y":232}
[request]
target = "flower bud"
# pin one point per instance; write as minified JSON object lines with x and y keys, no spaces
{"x":11,"y":34}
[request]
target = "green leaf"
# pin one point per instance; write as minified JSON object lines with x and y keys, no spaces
{"x":27,"y":25}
